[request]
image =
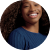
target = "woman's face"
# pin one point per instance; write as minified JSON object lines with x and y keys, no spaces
{"x":31,"y":11}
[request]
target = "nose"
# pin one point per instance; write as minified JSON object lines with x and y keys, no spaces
{"x":32,"y":8}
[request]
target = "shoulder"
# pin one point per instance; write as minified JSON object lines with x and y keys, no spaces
{"x":16,"y":31}
{"x":16,"y":39}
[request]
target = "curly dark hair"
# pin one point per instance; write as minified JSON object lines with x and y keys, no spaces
{"x":11,"y":19}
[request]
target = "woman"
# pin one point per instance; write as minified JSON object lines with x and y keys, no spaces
{"x":29,"y":27}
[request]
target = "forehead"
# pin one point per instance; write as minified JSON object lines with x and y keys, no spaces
{"x":27,"y":1}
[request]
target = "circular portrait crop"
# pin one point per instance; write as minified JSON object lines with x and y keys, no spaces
{"x":25,"y":24}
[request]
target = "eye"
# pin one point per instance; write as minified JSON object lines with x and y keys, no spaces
{"x":36,"y":4}
{"x":26,"y":6}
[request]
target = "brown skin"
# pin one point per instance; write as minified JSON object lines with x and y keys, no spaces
{"x":30,"y":7}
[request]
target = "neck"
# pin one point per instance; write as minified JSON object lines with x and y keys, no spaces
{"x":32,"y":27}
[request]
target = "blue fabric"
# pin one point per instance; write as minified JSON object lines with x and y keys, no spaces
{"x":23,"y":39}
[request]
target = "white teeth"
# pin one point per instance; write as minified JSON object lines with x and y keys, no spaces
{"x":32,"y":14}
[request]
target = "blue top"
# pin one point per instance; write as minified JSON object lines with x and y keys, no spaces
{"x":23,"y":39}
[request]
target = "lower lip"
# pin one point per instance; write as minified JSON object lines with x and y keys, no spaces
{"x":33,"y":16}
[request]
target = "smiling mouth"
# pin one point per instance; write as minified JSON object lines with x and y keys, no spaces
{"x":34,"y":15}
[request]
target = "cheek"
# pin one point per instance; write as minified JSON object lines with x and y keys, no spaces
{"x":25,"y":10}
{"x":40,"y":9}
